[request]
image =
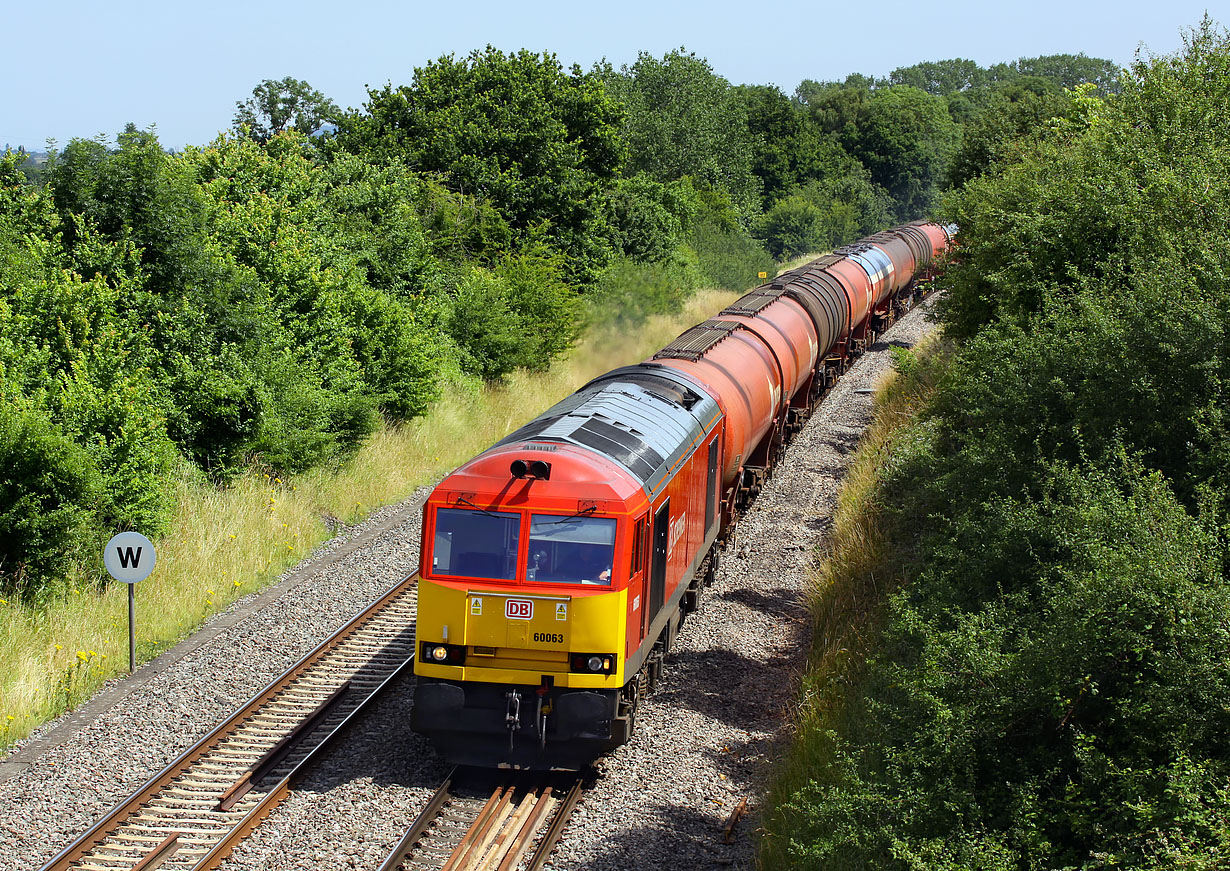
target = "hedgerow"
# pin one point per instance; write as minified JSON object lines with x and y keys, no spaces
{"x":1047,"y":687}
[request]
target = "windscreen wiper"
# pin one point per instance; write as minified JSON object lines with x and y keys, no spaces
{"x":461,"y":500}
{"x":584,"y":512}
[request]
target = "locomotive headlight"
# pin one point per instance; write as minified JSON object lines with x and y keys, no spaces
{"x":592,"y":663}
{"x":439,"y":653}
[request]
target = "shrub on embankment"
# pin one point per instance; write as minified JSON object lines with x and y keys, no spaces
{"x":1045,"y":682}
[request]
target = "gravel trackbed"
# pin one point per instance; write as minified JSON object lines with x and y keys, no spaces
{"x":704,"y":741}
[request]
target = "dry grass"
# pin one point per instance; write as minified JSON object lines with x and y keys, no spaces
{"x":227,"y":543}
{"x":799,"y":261}
{"x":860,"y":567}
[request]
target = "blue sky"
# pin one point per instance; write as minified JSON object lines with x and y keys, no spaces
{"x":76,"y":69}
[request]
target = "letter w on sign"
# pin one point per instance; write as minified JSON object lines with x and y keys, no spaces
{"x":128,"y":557}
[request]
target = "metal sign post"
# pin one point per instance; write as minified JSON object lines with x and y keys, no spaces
{"x":129,"y":558}
{"x":132,"y":628}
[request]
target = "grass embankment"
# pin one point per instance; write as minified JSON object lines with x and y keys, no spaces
{"x":787,"y":265}
{"x":859,"y":569}
{"x":227,"y":543}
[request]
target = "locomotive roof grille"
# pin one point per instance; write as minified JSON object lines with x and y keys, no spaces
{"x":619,"y":444}
{"x":642,"y":417}
{"x":668,"y":391}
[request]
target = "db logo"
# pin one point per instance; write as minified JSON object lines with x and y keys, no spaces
{"x":518,"y":609}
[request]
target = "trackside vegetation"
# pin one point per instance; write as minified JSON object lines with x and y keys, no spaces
{"x":249,"y":328}
{"x":226,"y":542}
{"x":1035,"y":668}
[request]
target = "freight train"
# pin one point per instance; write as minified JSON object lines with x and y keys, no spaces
{"x":557,"y":565}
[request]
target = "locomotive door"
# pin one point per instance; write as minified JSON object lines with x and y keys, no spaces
{"x":711,"y":486}
{"x":657,"y":565}
{"x":638,"y":588}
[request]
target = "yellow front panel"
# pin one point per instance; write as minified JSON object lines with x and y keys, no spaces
{"x":512,"y":620}
{"x":522,"y":641}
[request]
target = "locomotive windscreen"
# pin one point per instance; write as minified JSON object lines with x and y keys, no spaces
{"x":571,"y":550}
{"x":476,"y":544}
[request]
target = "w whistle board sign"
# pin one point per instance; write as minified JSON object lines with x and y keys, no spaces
{"x":129,"y":557}
{"x":519,"y":609}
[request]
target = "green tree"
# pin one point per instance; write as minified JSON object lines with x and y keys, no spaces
{"x":519,"y":315}
{"x":48,"y":499}
{"x":825,"y":214}
{"x":1060,"y":658}
{"x":1070,"y":70}
{"x":1005,"y":125}
{"x":287,"y":104}
{"x":906,"y":138}
{"x":1116,"y":188}
{"x":535,"y":141}
{"x":787,"y":148}
{"x":649,"y":217}
{"x":941,"y":78}
{"x":684,"y":120}
{"x":135,"y":193}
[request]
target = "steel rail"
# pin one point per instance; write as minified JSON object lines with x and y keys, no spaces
{"x":213,"y":784}
{"x":460,"y":832}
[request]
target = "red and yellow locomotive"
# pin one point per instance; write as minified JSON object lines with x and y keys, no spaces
{"x":558,"y":564}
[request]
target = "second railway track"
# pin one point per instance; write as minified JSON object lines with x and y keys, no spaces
{"x":190,"y":815}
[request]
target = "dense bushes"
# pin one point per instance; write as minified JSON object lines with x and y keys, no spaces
{"x":48,"y":496}
{"x":1049,"y":686}
{"x":1047,"y":693}
{"x":266,"y":300}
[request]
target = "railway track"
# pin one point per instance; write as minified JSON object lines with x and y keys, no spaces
{"x":513,"y":825}
{"x":190,"y":816}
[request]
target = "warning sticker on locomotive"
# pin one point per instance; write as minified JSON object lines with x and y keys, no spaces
{"x":476,"y":607}
{"x":561,"y":611}
{"x":519,"y":609}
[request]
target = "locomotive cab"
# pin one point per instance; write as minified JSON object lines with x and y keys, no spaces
{"x":523,"y":610}
{"x":551,"y":565}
